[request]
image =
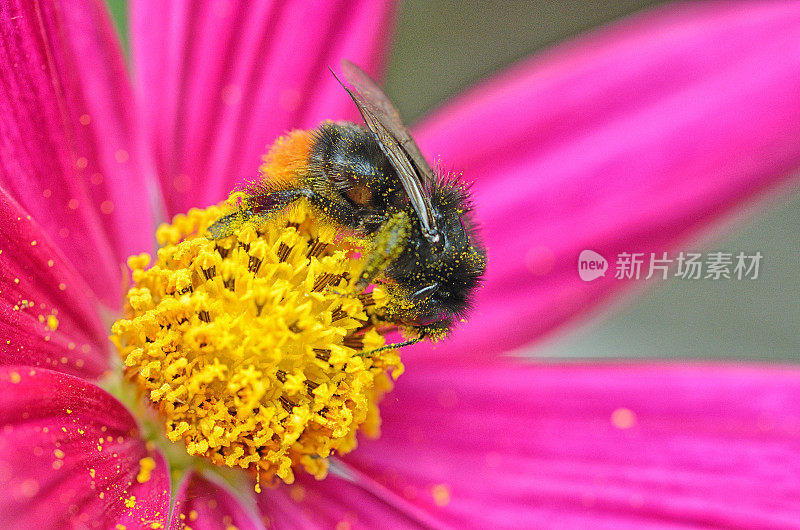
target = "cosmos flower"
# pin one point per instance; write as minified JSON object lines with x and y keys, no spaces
{"x":634,"y":138}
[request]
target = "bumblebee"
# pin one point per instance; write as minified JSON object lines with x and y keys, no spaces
{"x":374,"y":182}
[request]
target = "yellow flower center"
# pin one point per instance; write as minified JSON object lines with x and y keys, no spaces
{"x":253,"y":348}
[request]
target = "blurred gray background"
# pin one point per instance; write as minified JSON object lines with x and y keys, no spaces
{"x":442,"y":47}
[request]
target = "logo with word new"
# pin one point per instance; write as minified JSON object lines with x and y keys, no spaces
{"x":591,"y":265}
{"x":715,"y":265}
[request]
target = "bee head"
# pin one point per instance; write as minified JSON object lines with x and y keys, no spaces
{"x":455,"y":275}
{"x":441,"y":275}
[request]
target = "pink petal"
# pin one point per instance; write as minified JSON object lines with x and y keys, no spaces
{"x":202,"y":504}
{"x":604,"y":446}
{"x":219,"y":81}
{"x":337,"y":502}
{"x":70,"y":457}
{"x":68,"y":153}
{"x":632,"y":139}
{"x":48,"y":315}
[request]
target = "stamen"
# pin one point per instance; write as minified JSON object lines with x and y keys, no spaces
{"x":316,"y":248}
{"x":322,"y":354}
{"x":366,"y":299}
{"x":354,"y":342}
{"x":247,"y":356}
{"x":283,"y":252}
{"x":338,"y":315}
{"x":254,"y":264}
{"x":210,"y":272}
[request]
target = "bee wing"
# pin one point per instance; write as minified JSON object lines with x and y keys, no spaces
{"x":384,"y":121}
{"x":383,"y":107}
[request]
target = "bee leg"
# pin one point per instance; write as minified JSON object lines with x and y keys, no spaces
{"x":227,"y":224}
{"x":275,"y":200}
{"x":387,"y":246}
{"x":435,"y":331}
{"x":258,"y":206}
{"x":408,"y":342}
{"x":269,"y":203}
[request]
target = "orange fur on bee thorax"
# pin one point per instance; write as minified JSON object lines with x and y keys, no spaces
{"x":287,"y":157}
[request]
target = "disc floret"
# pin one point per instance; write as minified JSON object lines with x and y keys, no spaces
{"x":253,"y":348}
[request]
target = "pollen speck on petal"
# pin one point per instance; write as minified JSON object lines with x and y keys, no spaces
{"x":146,"y":466}
{"x":53,"y":424}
